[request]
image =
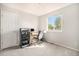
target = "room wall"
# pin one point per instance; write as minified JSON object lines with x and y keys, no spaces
{"x":69,"y":35}
{"x":0,"y":26}
{"x":28,"y":21}
{"x":11,"y":21}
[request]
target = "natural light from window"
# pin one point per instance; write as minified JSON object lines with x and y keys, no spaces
{"x":55,"y":23}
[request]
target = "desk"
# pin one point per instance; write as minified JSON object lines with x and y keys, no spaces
{"x":33,"y":37}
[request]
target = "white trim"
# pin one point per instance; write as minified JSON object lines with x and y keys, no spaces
{"x":64,"y":46}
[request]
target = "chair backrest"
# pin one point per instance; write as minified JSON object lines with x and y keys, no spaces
{"x":40,"y":35}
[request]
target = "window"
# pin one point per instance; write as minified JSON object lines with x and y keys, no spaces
{"x":54,"y":23}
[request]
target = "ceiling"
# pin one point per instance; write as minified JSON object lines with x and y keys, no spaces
{"x":37,"y":9}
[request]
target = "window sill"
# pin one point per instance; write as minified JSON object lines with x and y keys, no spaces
{"x":54,"y":31}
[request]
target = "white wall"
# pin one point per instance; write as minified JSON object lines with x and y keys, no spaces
{"x":28,"y":21}
{"x":0,"y":25}
{"x":69,"y":36}
{"x":11,"y":21}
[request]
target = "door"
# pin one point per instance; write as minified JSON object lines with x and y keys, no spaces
{"x":9,"y":28}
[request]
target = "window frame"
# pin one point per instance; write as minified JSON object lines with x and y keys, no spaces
{"x":56,"y":30}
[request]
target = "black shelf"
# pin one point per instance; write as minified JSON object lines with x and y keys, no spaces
{"x":24,"y":37}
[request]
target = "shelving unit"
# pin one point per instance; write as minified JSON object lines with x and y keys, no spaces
{"x":24,"y":37}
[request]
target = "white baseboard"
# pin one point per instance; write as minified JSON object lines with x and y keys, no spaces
{"x":58,"y":44}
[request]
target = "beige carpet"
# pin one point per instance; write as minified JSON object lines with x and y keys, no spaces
{"x":43,"y":49}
